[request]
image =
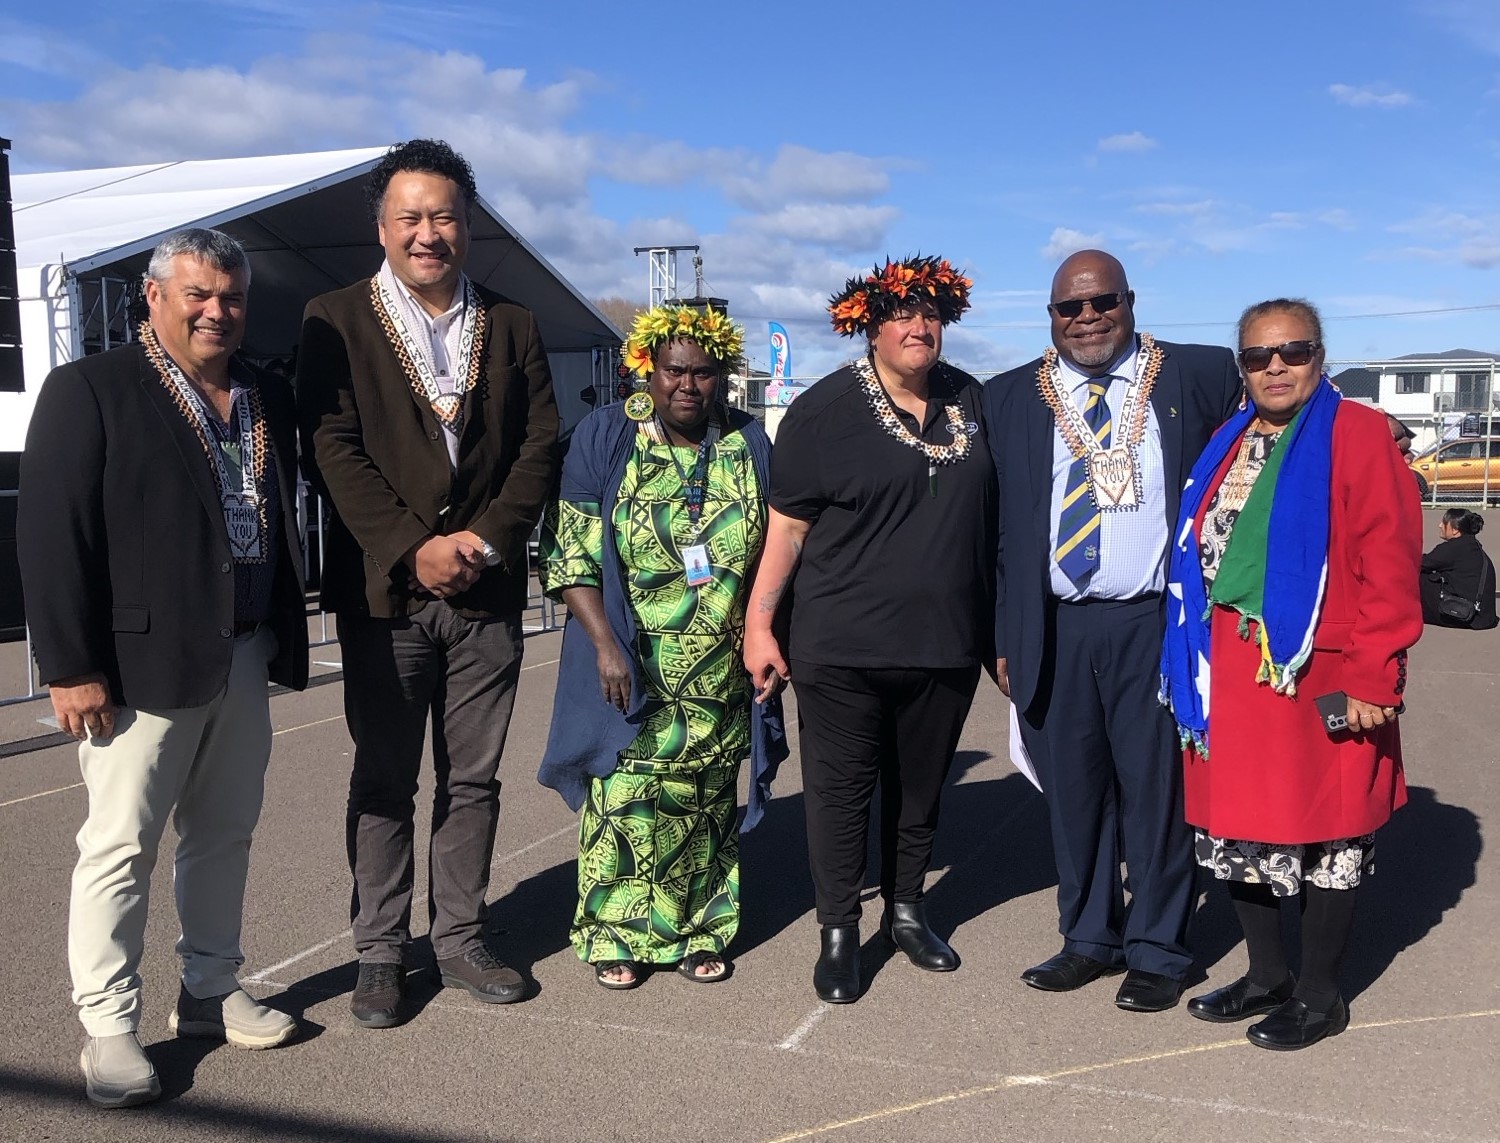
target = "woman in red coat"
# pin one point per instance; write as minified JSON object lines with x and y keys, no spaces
{"x":1294,"y":578}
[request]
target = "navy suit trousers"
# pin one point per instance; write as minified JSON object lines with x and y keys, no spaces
{"x":1107,"y":755}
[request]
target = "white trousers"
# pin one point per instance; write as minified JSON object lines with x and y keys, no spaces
{"x":206,"y":767}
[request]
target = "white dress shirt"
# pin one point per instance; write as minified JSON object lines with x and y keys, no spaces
{"x":436,"y":337}
{"x":1132,"y":542}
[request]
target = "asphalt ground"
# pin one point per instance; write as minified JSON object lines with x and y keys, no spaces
{"x":971,"y":1055}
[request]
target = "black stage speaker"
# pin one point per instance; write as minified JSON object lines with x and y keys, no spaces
{"x":11,"y":378}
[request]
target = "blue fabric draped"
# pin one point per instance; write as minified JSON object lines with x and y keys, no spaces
{"x":1295,"y":562}
{"x":587,"y":733}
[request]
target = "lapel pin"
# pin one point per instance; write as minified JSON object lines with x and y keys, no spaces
{"x":1171,"y":410}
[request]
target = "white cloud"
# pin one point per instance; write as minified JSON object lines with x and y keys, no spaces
{"x":1454,"y":236}
{"x":1065,"y":241}
{"x":1338,"y":218}
{"x":789,"y":225}
{"x":1198,"y":207}
{"x":839,"y":226}
{"x":1370,"y":95}
{"x":1133,"y":143}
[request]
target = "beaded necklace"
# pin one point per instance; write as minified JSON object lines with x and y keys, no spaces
{"x":885,"y":413}
{"x":1114,"y":475}
{"x":249,"y":550}
{"x":448,"y":408}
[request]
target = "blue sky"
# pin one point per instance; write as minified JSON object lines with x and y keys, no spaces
{"x":1345,"y":151}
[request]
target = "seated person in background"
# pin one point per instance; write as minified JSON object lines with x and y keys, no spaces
{"x":1459,"y":569}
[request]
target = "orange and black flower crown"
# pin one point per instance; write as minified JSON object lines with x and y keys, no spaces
{"x":865,"y":302}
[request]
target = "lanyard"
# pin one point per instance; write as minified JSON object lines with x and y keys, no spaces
{"x":696,"y":485}
{"x":208,"y":426}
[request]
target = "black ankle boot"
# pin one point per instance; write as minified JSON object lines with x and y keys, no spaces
{"x":836,"y":975}
{"x":905,"y":926}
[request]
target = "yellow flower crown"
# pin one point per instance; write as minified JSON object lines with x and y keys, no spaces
{"x":721,"y":338}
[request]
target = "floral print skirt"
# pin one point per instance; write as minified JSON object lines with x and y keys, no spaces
{"x":1326,"y":864}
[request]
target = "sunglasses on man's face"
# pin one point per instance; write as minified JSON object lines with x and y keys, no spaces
{"x":1254,"y":358}
{"x":1100,"y":304}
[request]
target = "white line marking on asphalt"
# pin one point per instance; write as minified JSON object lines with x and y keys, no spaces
{"x":43,"y":794}
{"x":1224,"y":1106}
{"x":274,"y":734}
{"x":261,"y":977}
{"x":1014,"y":1081}
{"x":793,"y":1043}
{"x":305,"y":725}
{"x":571,"y":827}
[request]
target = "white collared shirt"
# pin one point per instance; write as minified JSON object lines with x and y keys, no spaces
{"x":437,"y":338}
{"x":1132,"y":544}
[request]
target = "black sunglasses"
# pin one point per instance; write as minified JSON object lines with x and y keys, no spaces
{"x":1254,"y":358}
{"x":1101,"y":304}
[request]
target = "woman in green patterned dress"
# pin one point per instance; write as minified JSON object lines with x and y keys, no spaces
{"x":650,"y":546}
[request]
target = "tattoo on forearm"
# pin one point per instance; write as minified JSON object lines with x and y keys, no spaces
{"x":772,"y":599}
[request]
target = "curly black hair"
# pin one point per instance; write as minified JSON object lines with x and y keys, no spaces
{"x":432,"y":156}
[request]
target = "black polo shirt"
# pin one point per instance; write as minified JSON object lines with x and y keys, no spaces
{"x":897,"y":570}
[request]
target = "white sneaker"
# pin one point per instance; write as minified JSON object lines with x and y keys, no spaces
{"x":235,"y":1017}
{"x":117,"y":1073}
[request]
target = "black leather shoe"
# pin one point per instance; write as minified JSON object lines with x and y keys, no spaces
{"x":1067,"y":971}
{"x":1239,"y":1001}
{"x":1294,"y":1025}
{"x":905,"y":926}
{"x":483,"y":976}
{"x":836,"y":975}
{"x":379,"y":996}
{"x":1143,"y":991}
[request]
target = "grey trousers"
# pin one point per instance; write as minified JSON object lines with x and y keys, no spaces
{"x":397,"y":671}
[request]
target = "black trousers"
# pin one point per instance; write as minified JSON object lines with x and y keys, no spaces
{"x":1110,"y":765}
{"x":463,"y":673}
{"x":857,"y":726}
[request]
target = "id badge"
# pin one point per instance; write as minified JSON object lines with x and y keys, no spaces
{"x":695,"y":564}
{"x":242,"y":519}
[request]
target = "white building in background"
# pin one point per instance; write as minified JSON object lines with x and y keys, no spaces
{"x":1435,"y":392}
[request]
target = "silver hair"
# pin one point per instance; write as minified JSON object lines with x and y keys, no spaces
{"x":215,"y":247}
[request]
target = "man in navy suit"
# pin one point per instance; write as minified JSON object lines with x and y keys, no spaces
{"x":1092,"y":443}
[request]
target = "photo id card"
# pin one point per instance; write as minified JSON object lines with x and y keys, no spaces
{"x":695,"y":563}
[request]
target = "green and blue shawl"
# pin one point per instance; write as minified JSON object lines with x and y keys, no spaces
{"x":1273,"y":572}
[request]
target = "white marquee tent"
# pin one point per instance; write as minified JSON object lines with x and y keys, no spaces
{"x":83,"y":237}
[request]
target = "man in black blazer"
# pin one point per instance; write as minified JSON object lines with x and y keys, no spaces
{"x":157,"y":534}
{"x":429,"y":421}
{"x":1092,"y":443}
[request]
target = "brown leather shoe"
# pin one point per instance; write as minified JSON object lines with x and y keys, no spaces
{"x":485,"y":977}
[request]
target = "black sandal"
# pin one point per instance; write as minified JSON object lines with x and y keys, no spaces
{"x":689,"y":965}
{"x":637,"y":974}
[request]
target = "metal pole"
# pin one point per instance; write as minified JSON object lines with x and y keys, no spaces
{"x":1489,"y":424}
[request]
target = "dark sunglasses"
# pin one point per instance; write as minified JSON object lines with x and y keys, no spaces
{"x":1254,"y":358}
{"x":1101,"y":304}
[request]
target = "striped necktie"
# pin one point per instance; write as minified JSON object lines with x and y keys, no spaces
{"x":1078,"y":525}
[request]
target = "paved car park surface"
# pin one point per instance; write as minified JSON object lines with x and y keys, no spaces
{"x":971,"y":1055}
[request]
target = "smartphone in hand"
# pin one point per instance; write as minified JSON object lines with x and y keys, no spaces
{"x":1333,"y":709}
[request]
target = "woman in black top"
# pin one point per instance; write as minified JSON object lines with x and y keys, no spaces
{"x":1459,"y":567}
{"x":881,"y":541}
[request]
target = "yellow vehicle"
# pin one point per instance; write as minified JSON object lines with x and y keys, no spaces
{"x":1465,"y":469}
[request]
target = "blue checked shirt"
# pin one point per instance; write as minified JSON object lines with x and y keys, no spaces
{"x":1132,"y":544}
